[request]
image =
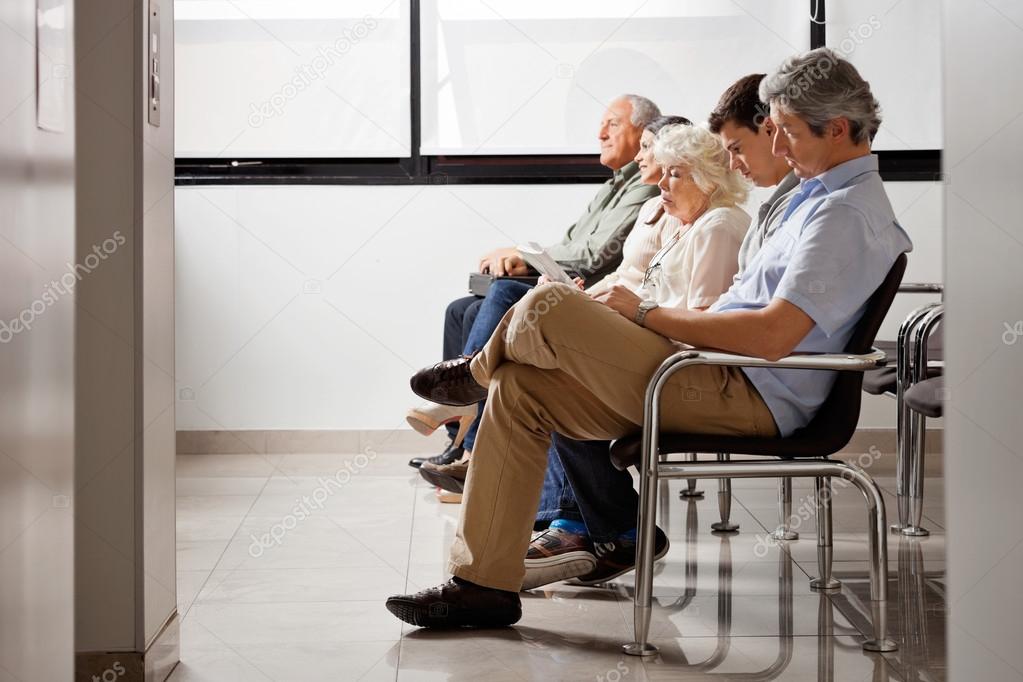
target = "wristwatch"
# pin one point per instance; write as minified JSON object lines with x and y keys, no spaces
{"x":644,"y":308}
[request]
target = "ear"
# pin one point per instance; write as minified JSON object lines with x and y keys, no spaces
{"x":839,"y":127}
{"x":769,"y":127}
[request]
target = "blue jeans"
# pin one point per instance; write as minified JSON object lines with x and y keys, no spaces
{"x":503,"y":294}
{"x":458,"y":320}
{"x":581,"y":484}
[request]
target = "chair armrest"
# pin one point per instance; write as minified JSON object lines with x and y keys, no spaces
{"x":849,"y":362}
{"x":921,"y":288}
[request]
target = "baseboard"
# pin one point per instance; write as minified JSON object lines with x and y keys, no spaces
{"x":153,"y":665}
{"x":393,"y":441}
{"x":405,"y":441}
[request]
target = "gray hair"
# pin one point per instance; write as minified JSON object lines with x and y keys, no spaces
{"x":819,"y":86}
{"x":643,"y":110}
{"x":700,"y":153}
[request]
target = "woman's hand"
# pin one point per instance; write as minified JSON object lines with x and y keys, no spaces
{"x":622,"y":300}
{"x":579,"y":282}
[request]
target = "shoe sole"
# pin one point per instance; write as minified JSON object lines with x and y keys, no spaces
{"x":431,"y":617}
{"x":540,"y":572}
{"x":425,"y":426}
{"x":442,"y":481}
{"x":590,"y":583}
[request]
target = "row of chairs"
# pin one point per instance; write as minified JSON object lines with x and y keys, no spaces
{"x":917,"y":385}
{"x":918,"y":394}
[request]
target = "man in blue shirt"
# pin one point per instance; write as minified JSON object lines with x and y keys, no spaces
{"x":563,"y":362}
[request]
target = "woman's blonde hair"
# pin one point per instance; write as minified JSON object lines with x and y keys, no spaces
{"x":700,"y":152}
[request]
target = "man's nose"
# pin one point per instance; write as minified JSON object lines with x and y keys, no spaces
{"x":778,"y":147}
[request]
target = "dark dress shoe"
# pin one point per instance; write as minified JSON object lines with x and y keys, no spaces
{"x":450,"y":455}
{"x":449,"y":383}
{"x":450,"y":477}
{"x":457,"y":603}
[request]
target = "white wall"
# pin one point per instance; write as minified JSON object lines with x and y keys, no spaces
{"x":310,"y":307}
{"x":37,"y":240}
{"x":984,"y":432}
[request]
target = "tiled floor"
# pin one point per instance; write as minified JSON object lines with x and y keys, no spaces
{"x":284,"y":562}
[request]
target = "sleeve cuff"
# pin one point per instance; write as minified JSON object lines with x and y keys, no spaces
{"x":822,"y":320}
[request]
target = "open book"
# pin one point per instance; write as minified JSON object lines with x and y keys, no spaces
{"x":541,"y":261}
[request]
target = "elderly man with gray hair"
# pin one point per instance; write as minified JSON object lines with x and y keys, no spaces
{"x":582,"y":368}
{"x":592,"y":247}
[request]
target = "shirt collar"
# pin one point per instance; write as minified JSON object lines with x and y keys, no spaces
{"x":626,"y":172}
{"x":840,"y":175}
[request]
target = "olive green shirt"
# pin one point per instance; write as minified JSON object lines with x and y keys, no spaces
{"x":593,"y":245}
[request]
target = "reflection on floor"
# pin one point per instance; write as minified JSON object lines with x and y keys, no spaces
{"x":284,"y":562}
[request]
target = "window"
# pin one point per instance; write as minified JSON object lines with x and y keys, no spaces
{"x":425,"y":91}
{"x":534,"y":77}
{"x":294,"y":78}
{"x":887,"y":39}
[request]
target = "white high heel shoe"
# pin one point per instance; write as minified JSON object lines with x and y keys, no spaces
{"x":429,"y":417}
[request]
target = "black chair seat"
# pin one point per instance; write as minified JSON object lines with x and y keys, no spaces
{"x":926,"y":397}
{"x":829,"y":431}
{"x":880,"y":381}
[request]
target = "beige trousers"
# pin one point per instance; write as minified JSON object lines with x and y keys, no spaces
{"x":561,"y":362}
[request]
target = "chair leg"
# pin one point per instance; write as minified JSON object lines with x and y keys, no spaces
{"x":645,"y":538}
{"x":824,"y":579}
{"x":690,"y":489}
{"x":825,"y":640}
{"x":725,"y":525}
{"x":903,"y":449}
{"x":915,"y":496}
{"x":783,"y":532}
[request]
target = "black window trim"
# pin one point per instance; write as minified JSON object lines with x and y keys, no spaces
{"x":420,"y":169}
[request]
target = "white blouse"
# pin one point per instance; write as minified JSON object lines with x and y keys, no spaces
{"x":639,"y":247}
{"x":697,"y":264}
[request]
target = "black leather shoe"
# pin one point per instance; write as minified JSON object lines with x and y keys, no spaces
{"x":457,"y":603}
{"x":449,"y":383}
{"x":450,"y":455}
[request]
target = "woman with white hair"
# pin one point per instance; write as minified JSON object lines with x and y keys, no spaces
{"x":696,"y":263}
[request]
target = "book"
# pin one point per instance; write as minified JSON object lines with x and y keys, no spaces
{"x":538,"y":258}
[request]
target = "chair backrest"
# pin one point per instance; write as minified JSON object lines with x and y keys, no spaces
{"x":837,"y":418}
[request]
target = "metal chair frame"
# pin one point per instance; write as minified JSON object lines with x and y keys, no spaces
{"x":911,"y":474}
{"x":652,"y":468}
{"x":906,"y":458}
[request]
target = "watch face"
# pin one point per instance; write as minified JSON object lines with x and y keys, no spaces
{"x":648,"y":305}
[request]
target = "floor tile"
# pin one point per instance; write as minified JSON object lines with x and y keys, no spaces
{"x":347,"y":583}
{"x":296,"y":622}
{"x":285,"y":560}
{"x":220,"y":485}
{"x":803,"y":659}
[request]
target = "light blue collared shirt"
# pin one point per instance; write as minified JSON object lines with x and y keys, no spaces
{"x":837,"y":241}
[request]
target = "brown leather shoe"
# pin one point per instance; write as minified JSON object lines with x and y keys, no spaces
{"x":449,"y":383}
{"x":450,"y":477}
{"x":457,"y":603}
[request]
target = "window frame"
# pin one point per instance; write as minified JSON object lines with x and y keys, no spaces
{"x":420,"y":169}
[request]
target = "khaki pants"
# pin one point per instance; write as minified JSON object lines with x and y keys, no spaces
{"x":562,"y":362}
